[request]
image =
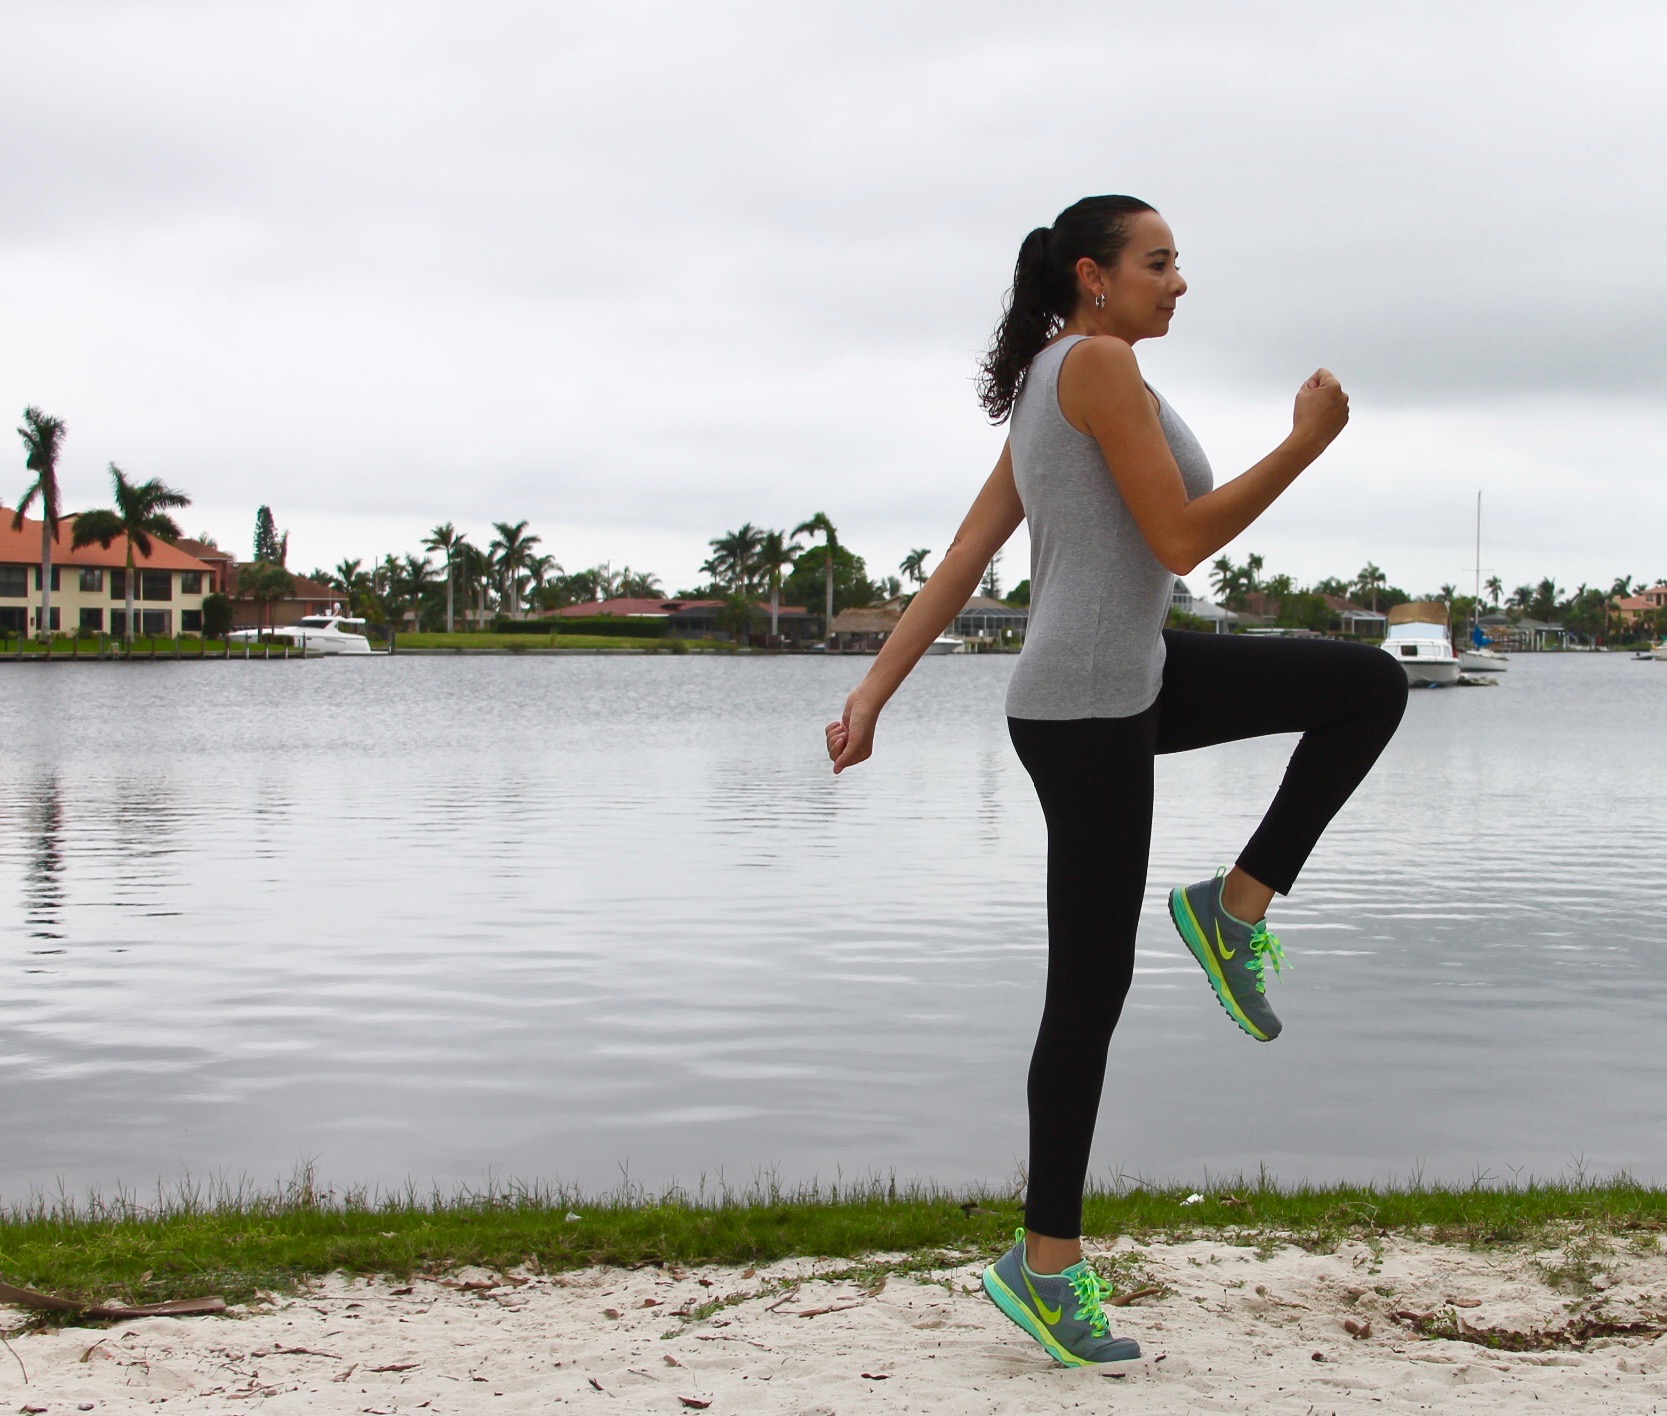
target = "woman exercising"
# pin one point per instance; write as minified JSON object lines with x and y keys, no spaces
{"x":1120,"y":500}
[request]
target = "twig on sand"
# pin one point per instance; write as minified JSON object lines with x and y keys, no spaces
{"x":47,"y":1302}
{"x":1122,"y":1300}
{"x":725,"y":1337}
{"x":786,"y":1297}
{"x":18,"y":1359}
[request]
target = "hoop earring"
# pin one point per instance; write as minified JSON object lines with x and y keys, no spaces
{"x":1100,"y":301}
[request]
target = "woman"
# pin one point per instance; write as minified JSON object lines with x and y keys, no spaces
{"x":1120,"y":499}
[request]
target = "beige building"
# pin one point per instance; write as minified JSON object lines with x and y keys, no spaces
{"x":89,"y":585}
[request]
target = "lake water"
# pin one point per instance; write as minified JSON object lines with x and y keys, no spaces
{"x":563,"y":918}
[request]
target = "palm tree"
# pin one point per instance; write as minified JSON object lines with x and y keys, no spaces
{"x":415,"y":577}
{"x":735,"y":616}
{"x":478,"y":567}
{"x":1224,"y":575}
{"x":639,"y":585}
{"x":1544,"y":603}
{"x":513,"y":547}
{"x":734,"y":557}
{"x":1370,"y":580}
{"x":1448,"y":594}
{"x":349,"y":579}
{"x":43,"y":437}
{"x":444,"y":538}
{"x":913,"y":566}
{"x":141,"y":512}
{"x":263,"y":581}
{"x":819,"y":525}
{"x":776,"y":550}
{"x":1495,"y":588}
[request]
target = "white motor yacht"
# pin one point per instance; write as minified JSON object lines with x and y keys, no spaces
{"x":333,"y":633}
{"x":1418,"y":642}
{"x":947,"y":644}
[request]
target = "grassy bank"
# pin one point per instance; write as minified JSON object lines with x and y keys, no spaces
{"x":466,"y":642}
{"x":65,"y":646}
{"x":239,"y":1244}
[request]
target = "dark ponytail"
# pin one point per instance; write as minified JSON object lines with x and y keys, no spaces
{"x":1044,"y":292}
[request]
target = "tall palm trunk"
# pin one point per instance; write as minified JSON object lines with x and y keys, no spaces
{"x":775,"y":601}
{"x":46,"y":577}
{"x":828,"y":622}
{"x":131,"y":574}
{"x":449,"y":583}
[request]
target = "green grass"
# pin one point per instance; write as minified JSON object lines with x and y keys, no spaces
{"x":240,"y":1243}
{"x":64,"y":645}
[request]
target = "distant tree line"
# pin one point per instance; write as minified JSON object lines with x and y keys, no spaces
{"x":1586,"y":612}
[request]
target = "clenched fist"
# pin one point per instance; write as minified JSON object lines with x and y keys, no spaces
{"x":1321,"y":411}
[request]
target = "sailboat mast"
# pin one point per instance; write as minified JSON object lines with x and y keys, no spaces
{"x":1478,"y":591}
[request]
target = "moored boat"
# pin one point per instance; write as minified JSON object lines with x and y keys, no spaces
{"x":1418,"y":642}
{"x":313,"y":634}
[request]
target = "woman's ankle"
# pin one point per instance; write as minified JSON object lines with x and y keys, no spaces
{"x":1047,"y":1255}
{"x":1244,"y":897}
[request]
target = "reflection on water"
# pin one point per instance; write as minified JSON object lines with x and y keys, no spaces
{"x":551,"y":917}
{"x":42,"y":890}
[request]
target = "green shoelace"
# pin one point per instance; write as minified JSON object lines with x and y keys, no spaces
{"x":1091,"y":1291}
{"x":1264,"y":949}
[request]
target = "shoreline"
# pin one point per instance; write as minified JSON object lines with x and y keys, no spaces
{"x":242,"y":1243}
{"x":1392,"y":1324}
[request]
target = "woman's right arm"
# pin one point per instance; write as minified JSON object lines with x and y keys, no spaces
{"x":1102,"y":393}
{"x":994,"y":517}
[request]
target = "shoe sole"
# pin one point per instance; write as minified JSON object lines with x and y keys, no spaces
{"x":1192,"y":935}
{"x":1005,"y":1299}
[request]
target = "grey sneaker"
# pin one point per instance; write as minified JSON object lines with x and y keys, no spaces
{"x":1062,"y":1311}
{"x":1234,"y":954}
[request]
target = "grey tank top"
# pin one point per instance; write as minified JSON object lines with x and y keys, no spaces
{"x":1098,"y":596}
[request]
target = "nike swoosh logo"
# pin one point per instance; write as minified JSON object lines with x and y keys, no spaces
{"x":1050,"y":1316}
{"x":1221,"y":948}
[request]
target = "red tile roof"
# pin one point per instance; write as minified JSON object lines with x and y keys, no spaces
{"x":203,"y":551}
{"x":305,"y":589}
{"x":23,"y":547}
{"x":591,"y":608}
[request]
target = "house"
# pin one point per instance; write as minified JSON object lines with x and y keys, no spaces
{"x":695,"y":619}
{"x":1357,"y":620}
{"x":863,"y":631}
{"x":1646,"y":603}
{"x":89,"y":585}
{"x":1262,"y":609}
{"x":1181,"y":598}
{"x":984,"y":620}
{"x":1523,"y":635}
{"x":223,"y":564}
{"x":308,"y":597}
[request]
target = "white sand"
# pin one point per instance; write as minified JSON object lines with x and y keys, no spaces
{"x":1236,"y":1332}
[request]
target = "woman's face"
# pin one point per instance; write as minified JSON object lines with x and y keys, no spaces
{"x":1142,"y":288}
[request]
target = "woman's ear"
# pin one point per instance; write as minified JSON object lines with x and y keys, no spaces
{"x":1090,"y":276}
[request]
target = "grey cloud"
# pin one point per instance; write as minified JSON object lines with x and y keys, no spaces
{"x":644,"y":264}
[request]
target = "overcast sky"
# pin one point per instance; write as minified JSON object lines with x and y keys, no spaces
{"x":640,"y":272}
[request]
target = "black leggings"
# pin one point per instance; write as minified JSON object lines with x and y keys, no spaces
{"x":1094,"y":777}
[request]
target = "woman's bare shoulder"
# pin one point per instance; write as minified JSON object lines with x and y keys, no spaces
{"x":1100,"y":365}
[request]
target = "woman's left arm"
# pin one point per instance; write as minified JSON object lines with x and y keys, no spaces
{"x":994,"y":516}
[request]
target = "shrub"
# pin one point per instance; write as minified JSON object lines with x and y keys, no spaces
{"x":217,"y":616}
{"x":615,"y":625}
